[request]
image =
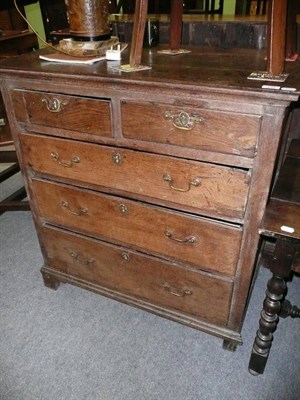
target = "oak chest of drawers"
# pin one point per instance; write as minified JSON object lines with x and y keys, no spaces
{"x":149,"y":187}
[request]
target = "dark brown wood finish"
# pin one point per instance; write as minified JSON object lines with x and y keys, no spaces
{"x":166,"y":284}
{"x":12,"y":43}
{"x":291,"y":30}
{"x":89,"y":20}
{"x":64,"y":112}
{"x":199,"y":187}
{"x":17,"y":42}
{"x":282,"y":222}
{"x":277,"y":21}
{"x":139,"y":24}
{"x":174,"y":235}
{"x":176,"y":24}
{"x":137,"y":174}
{"x":191,"y":127}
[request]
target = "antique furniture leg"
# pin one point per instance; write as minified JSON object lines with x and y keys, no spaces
{"x":282,"y":262}
{"x":140,"y":16}
{"x":139,"y":25}
{"x":277,"y":22}
{"x":229,"y":345}
{"x":288,"y":310}
{"x":49,"y":281}
{"x":291,"y":32}
{"x":276,"y":36}
{"x":175,"y":30}
{"x":176,"y":24}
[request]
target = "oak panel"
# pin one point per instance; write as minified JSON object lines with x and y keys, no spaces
{"x":221,"y":191}
{"x":144,"y":277}
{"x":65,"y":112}
{"x":198,"y":128}
{"x":206,"y":244}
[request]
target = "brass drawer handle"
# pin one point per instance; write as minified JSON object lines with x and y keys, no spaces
{"x":183,"y":120}
{"x":125,"y":256}
{"x":54,"y":105}
{"x":67,"y":164}
{"x":123,"y":208}
{"x":189,"y":239}
{"x":176,"y":292}
{"x":117,"y":158}
{"x":82,"y":211}
{"x":195,"y":182}
{"x":80,"y":258}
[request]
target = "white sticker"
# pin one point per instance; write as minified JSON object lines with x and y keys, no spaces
{"x":288,"y":89}
{"x":271,"y":87}
{"x":287,"y":229}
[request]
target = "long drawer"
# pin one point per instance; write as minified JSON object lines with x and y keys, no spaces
{"x":203,"y":243}
{"x":81,"y":114}
{"x":144,"y":277}
{"x":199,"y":187}
{"x":198,"y":128}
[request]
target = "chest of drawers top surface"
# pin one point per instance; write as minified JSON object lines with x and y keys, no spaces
{"x":213,"y":70}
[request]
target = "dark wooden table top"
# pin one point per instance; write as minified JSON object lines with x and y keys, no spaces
{"x":282,"y":216}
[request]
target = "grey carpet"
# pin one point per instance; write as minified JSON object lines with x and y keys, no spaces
{"x":71,"y":344}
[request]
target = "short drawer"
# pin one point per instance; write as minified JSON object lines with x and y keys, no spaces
{"x":79,"y":114}
{"x":198,"y":128}
{"x":134,"y":274}
{"x":204,"y":243}
{"x":202,"y":188}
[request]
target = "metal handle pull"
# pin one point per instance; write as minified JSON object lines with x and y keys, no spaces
{"x":123,"y":208}
{"x":67,"y":164}
{"x":195,"y":182}
{"x":80,"y":258}
{"x":189,"y":239}
{"x":183,"y":120}
{"x":176,"y":292}
{"x":117,"y":158}
{"x":2,"y":121}
{"x":82,"y":211}
{"x":54,"y":105}
{"x":125,"y":256}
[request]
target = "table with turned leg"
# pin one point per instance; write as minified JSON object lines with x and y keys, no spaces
{"x":282,"y":223}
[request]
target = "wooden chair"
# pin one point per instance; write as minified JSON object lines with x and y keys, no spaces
{"x":13,"y":41}
{"x":261,"y":7}
{"x":14,"y":201}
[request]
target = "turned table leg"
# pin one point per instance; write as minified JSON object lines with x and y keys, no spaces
{"x":267,"y":325}
{"x":276,"y":289}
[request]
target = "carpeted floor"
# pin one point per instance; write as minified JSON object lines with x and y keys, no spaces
{"x":72,"y":344}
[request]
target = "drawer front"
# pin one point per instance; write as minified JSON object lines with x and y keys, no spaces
{"x":206,"y":244}
{"x":191,"y":127}
{"x":64,"y":112}
{"x":141,"y":276}
{"x":200,"y":187}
